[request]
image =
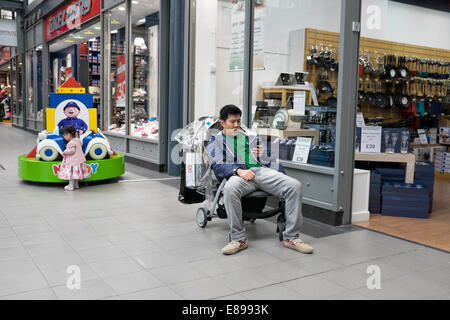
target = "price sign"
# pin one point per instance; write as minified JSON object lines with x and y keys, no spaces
{"x":121,"y":81}
{"x":422,"y":136}
{"x":370,"y":139}
{"x":299,"y":102}
{"x":301,"y":152}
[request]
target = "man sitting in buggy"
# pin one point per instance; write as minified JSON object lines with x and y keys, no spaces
{"x":239,"y":158}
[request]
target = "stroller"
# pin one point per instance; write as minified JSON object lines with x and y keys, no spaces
{"x":195,"y":138}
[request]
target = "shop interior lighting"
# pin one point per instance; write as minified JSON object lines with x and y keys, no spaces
{"x":135,"y":2}
{"x":121,"y":8}
{"x":115,"y":21}
{"x":114,"y":31}
{"x":88,"y":32}
{"x":97,"y":27}
{"x":69,"y":40}
{"x":141,"y":21}
{"x":78,"y":37}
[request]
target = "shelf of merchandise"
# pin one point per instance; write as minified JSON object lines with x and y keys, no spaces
{"x":94,"y":63}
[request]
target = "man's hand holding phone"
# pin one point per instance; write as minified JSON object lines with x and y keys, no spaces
{"x":248,"y":175}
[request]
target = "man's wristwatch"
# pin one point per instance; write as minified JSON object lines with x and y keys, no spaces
{"x":235,"y":171}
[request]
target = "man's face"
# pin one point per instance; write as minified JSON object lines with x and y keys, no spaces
{"x":231,"y":125}
{"x":71,"y":112}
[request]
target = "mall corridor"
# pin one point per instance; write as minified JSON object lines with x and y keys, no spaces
{"x":132,"y":239}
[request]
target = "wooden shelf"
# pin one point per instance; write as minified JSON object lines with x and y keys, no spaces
{"x":408,"y":158}
{"x":289,"y":133}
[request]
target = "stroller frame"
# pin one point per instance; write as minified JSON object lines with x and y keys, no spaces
{"x":203,"y":216}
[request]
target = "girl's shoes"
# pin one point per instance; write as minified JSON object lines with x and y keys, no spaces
{"x":69,"y":188}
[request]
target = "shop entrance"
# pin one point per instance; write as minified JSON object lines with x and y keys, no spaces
{"x":404,"y":94}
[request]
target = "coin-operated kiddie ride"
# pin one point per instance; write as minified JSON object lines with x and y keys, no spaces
{"x":70,"y":106}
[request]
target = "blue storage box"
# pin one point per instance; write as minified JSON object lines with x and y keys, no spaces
{"x":424,"y":174}
{"x":321,"y":156}
{"x":405,"y":200}
{"x":284,"y":153}
{"x":375,"y":192}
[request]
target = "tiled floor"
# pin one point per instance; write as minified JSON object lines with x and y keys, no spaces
{"x":132,"y":239}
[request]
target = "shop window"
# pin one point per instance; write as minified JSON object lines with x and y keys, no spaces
{"x":16,"y":87}
{"x":38,"y":91}
{"x":116,"y":86}
{"x":218,"y":62}
{"x":30,"y":81}
{"x":287,"y":103}
{"x":144,"y":121}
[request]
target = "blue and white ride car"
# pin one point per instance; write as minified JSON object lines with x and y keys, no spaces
{"x":50,"y":145}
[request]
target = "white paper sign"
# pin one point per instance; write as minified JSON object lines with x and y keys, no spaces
{"x":301,"y":152}
{"x":299,"y":103}
{"x":360,"y":120}
{"x":370,"y":139}
{"x":422,"y":136}
{"x":433,"y":135}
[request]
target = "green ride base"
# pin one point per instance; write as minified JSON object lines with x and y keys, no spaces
{"x":32,"y":169}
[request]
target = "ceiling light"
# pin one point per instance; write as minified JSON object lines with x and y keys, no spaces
{"x":78,"y":37}
{"x":114,"y":31}
{"x":141,"y":21}
{"x":134,"y":2}
{"x":121,"y":8}
{"x":88,"y":32}
{"x":115,"y":21}
{"x":97,"y":27}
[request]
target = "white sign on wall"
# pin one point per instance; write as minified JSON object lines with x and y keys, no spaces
{"x":8,"y":33}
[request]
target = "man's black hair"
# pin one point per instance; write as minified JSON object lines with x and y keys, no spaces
{"x":229,"y":109}
{"x":69,"y":129}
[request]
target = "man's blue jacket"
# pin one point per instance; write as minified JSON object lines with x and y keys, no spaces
{"x":225,"y":161}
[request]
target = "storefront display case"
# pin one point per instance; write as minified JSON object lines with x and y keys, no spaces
{"x":131,"y":101}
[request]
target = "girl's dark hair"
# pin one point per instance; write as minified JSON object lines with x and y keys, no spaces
{"x":229,"y":109}
{"x":69,"y":129}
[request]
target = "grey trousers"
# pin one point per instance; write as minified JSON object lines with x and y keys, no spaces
{"x":270,"y":181}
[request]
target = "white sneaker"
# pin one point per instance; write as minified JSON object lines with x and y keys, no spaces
{"x":235,"y":246}
{"x":299,"y":245}
{"x":69,"y":188}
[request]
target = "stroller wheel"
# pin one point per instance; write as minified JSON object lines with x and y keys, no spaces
{"x":202,"y":219}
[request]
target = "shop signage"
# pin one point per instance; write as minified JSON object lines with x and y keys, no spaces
{"x":70,"y":16}
{"x":8,"y":33}
{"x":371,"y":139}
{"x":5,"y":54}
{"x":121,"y":81}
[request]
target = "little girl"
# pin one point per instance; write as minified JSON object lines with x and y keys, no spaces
{"x":73,"y":167}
